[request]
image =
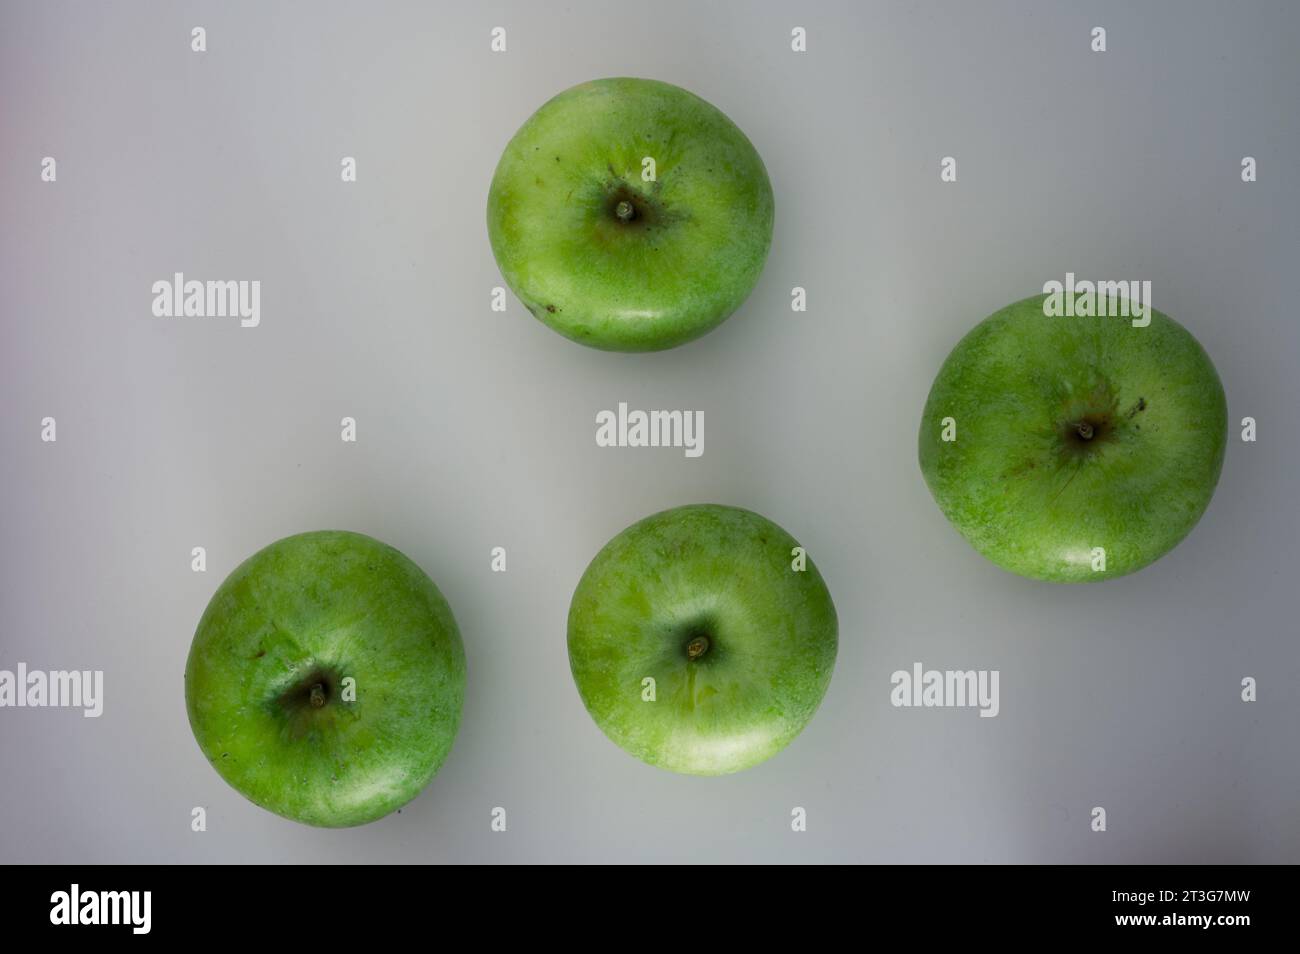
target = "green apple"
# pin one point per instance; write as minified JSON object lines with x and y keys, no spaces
{"x":1080,"y":448}
{"x":326,"y":679}
{"x":702,"y":640}
{"x":630,"y":215}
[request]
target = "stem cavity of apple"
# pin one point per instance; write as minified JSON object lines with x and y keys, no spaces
{"x":625,"y":211}
{"x":317,"y":696}
{"x":1084,"y":430}
{"x":697,"y":647}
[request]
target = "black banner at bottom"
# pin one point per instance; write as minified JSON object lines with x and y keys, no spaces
{"x":280,"y":903}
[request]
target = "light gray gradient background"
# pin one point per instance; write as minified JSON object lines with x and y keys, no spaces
{"x":476,"y":429}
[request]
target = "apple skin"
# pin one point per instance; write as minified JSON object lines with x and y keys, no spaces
{"x":310,"y":610}
{"x":688,"y":258}
{"x":713,"y":571}
{"x":1020,"y":482}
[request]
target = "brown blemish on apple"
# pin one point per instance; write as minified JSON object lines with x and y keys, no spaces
{"x":1020,"y":469}
{"x":1141,"y":405}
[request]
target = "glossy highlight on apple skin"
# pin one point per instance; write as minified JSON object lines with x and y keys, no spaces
{"x":609,"y":259}
{"x":1074,"y":434}
{"x":704,"y":601}
{"x":266,"y":680}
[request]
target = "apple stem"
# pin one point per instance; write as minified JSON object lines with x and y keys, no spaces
{"x":317,"y":696}
{"x":1085,"y":430}
{"x":697,"y":647}
{"x":624,"y":211}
